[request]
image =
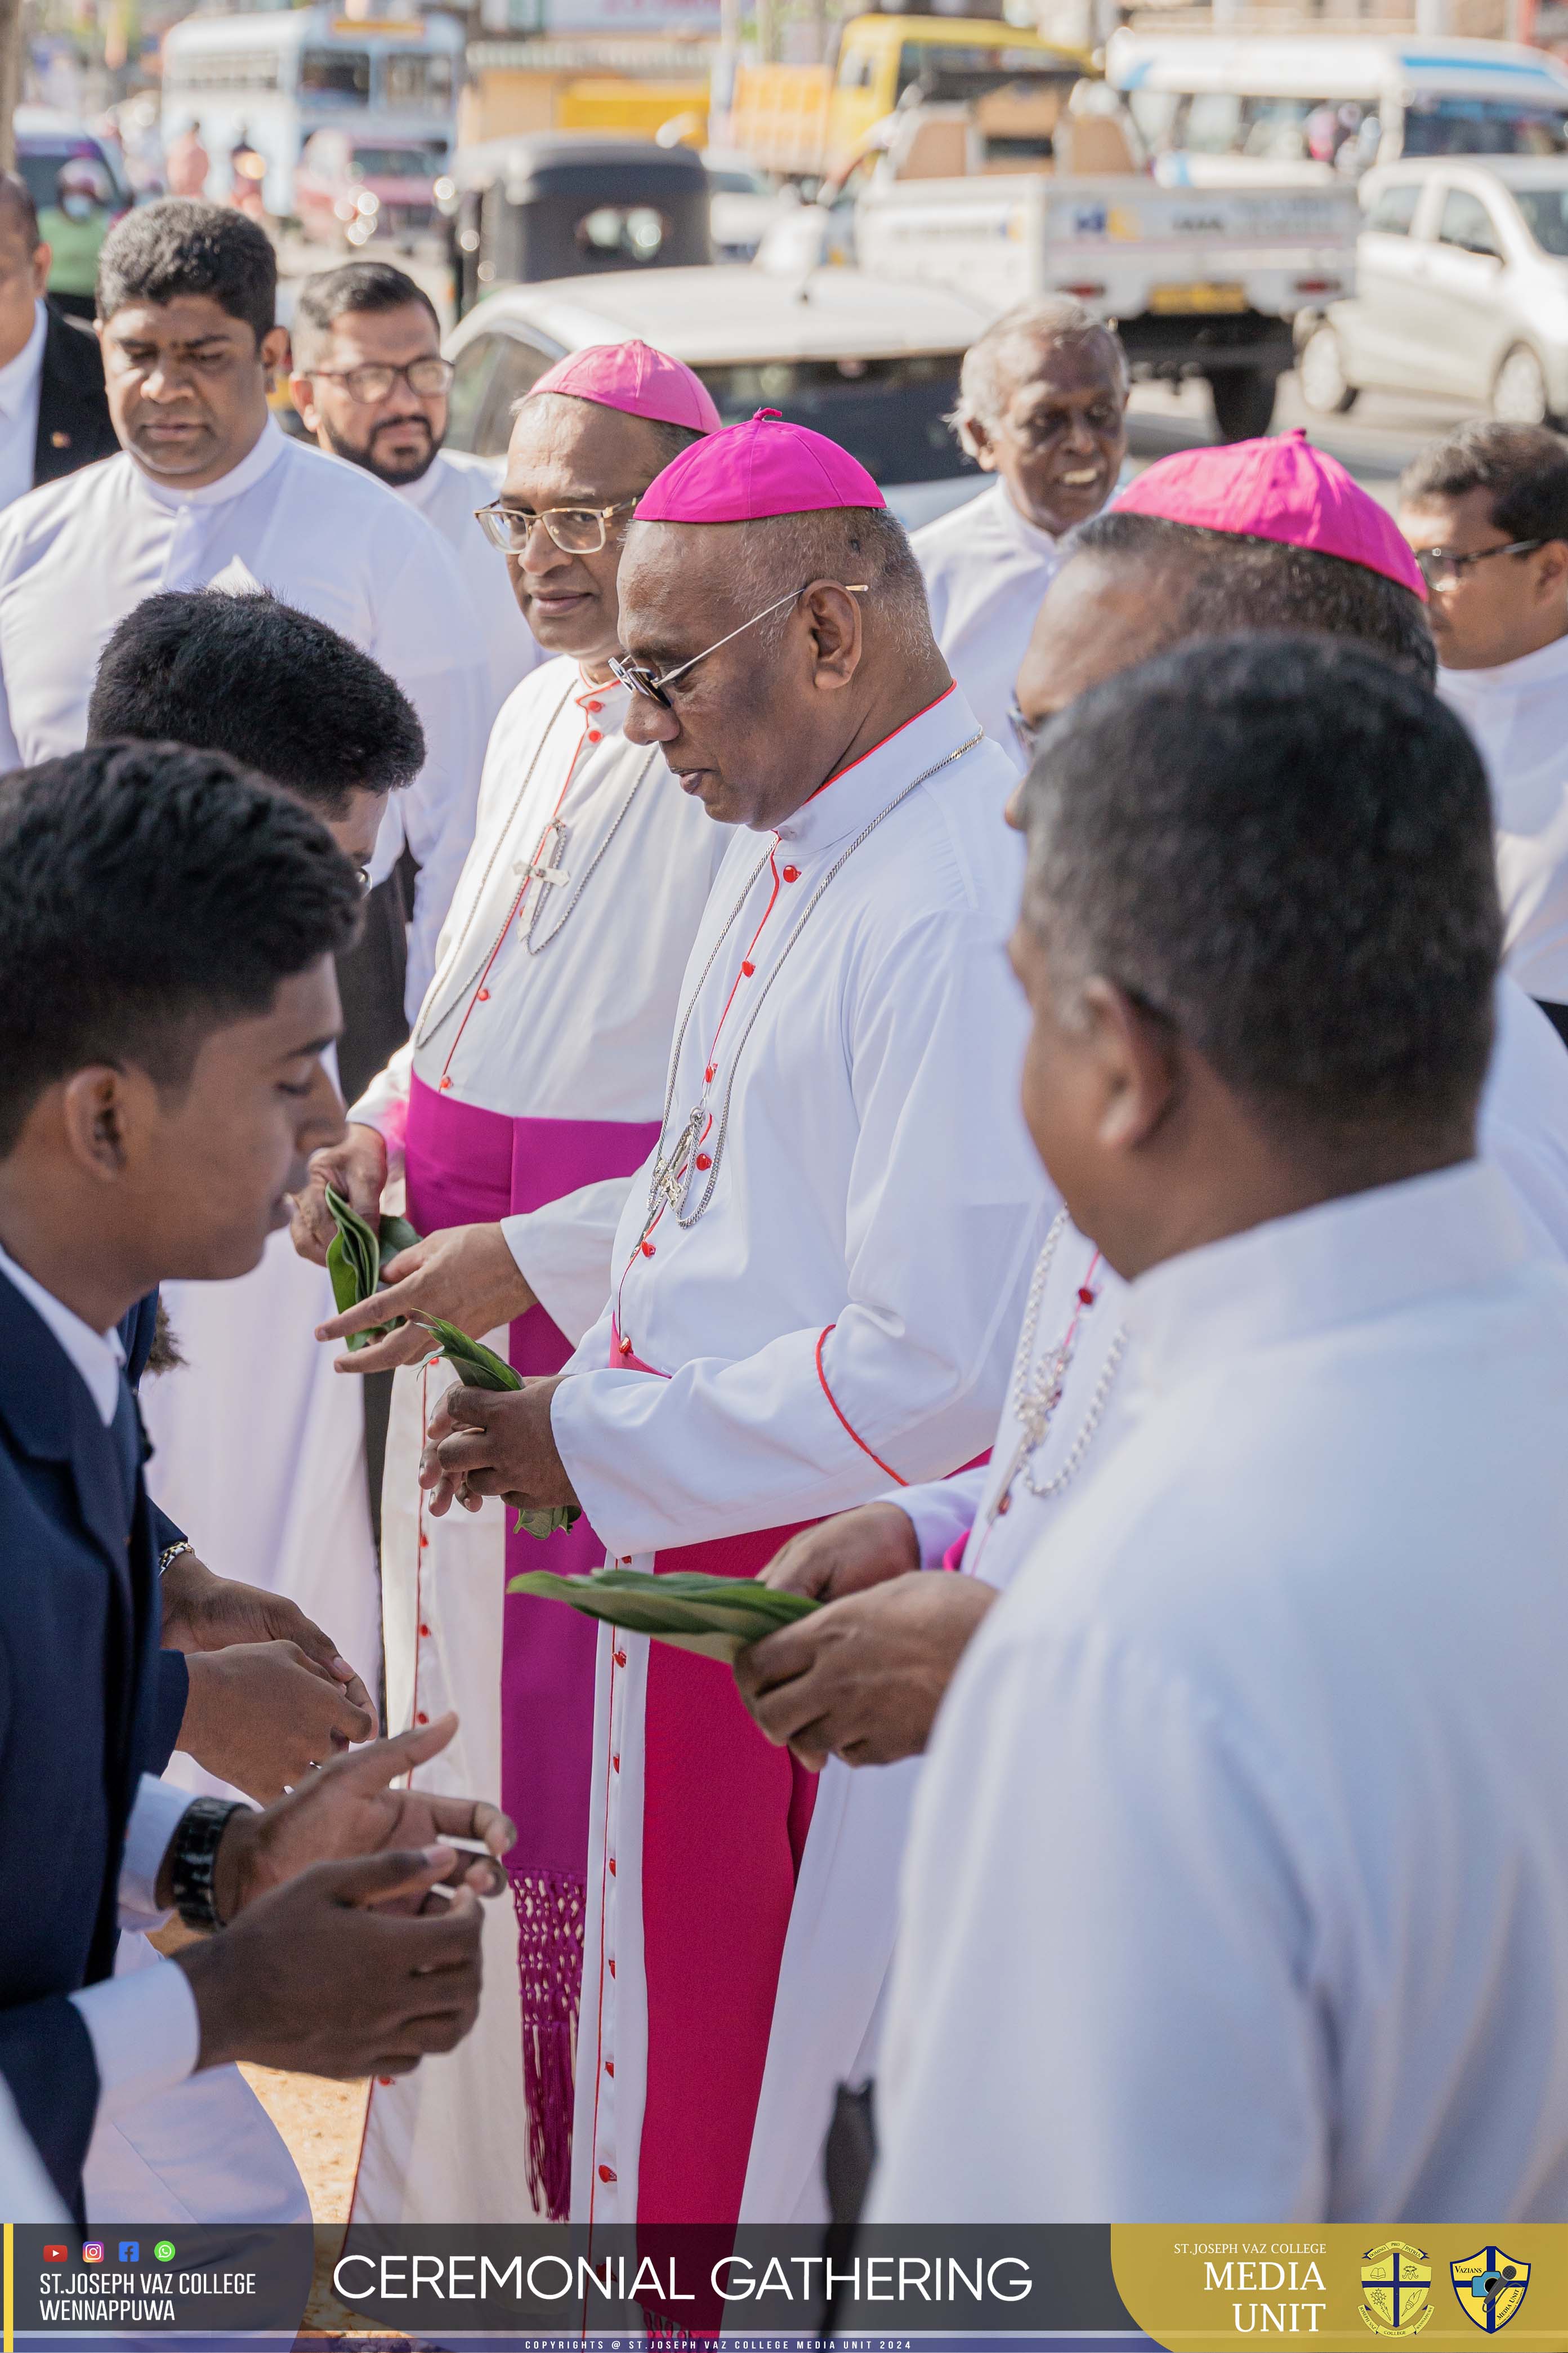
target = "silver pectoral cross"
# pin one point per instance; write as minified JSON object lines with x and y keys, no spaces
{"x":670,"y":1175}
{"x":547,"y":866}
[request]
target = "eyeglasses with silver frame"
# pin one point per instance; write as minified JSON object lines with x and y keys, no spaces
{"x":577,"y":531}
{"x":374,"y":379}
{"x":1441,"y":568}
{"x":641,"y":680}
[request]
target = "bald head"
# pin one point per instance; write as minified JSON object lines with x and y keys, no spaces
{"x":1042,"y":402}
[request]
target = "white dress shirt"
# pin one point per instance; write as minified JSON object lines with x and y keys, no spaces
{"x":986,"y":570}
{"x":447,"y":494}
{"x":21,"y":383}
{"x":1518,"y":713}
{"x":77,"y":555}
{"x":144,"y":2029}
{"x":1238,"y":1888}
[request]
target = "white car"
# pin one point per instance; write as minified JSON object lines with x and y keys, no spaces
{"x":1461,"y":288}
{"x":745,"y":203}
{"x":873,"y":364}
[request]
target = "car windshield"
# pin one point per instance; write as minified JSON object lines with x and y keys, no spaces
{"x":1483,"y":126}
{"x":396,"y":162}
{"x":1545,"y":214}
{"x":890,"y":414}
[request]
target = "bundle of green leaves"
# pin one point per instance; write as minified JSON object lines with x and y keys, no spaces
{"x":717,"y":1616}
{"x":355,"y":1256}
{"x":481,"y":1369}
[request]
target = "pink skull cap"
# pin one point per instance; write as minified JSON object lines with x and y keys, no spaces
{"x":762,"y":468}
{"x":635,"y":377}
{"x":1280,"y":488}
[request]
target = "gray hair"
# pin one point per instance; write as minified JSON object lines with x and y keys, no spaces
{"x":1052,"y":319}
{"x":849,"y":544}
{"x":1281,"y":846}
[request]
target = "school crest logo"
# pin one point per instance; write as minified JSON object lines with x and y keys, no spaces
{"x":1396,"y":2289}
{"x":1490,"y":2286}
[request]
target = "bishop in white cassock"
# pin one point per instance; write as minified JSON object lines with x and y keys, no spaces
{"x":530,"y":1091}
{"x":1274,"y":1698}
{"x":1042,"y":405}
{"x":817,"y":1276}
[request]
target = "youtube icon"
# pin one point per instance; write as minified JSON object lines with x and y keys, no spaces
{"x":57,"y":2254}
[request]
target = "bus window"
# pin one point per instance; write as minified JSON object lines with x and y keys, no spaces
{"x":947,"y":75}
{"x":341,"y":74}
{"x":422,"y":80}
{"x":1214,"y":122}
{"x":1483,"y":126}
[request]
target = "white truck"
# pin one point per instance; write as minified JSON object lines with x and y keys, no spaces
{"x":1199,"y":281}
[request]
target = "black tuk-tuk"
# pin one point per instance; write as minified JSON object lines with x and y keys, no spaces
{"x":556,"y":203}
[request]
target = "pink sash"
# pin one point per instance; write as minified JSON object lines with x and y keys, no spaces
{"x":725,"y":1816}
{"x":468,"y":1166}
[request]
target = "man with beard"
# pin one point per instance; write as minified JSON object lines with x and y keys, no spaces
{"x":370,"y":383}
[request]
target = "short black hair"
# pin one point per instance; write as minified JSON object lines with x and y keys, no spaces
{"x":17,"y":198}
{"x":332,"y":295}
{"x":1283,"y":847}
{"x":276,"y":689}
{"x":148,"y":895}
{"x":180,"y":246}
{"x":1220,"y":581}
{"x":1524,"y":467}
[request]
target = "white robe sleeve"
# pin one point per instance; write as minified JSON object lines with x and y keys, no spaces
{"x":905,"y":1374}
{"x":942,"y":1510}
{"x":1105,"y":1999}
{"x":566,"y":1250}
{"x":429,"y":637}
{"x":384,"y":1103}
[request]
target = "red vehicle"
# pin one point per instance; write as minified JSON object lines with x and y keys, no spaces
{"x":349,"y":189}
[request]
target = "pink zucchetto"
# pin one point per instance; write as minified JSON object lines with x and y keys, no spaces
{"x":753,"y":470}
{"x":1280,"y":489}
{"x":635,"y":377}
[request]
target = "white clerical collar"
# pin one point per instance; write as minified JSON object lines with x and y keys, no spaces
{"x":1545,"y":665}
{"x":265,"y":452}
{"x":97,"y":1355}
{"x":1028,"y":534}
{"x":604,"y":707}
{"x":856,"y":794}
{"x":424,"y":490}
{"x":17,"y":377}
{"x":1363,"y":1255}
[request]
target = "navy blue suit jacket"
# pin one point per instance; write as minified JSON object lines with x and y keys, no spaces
{"x":138,"y":1327}
{"x":79,"y":1681}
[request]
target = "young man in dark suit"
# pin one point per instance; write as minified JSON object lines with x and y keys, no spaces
{"x":167,"y":926}
{"x":54,"y":413}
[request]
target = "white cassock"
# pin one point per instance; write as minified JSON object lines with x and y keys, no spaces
{"x":259,"y":1447}
{"x":830,"y":1296}
{"x":1518,"y":713}
{"x":448,"y":495}
{"x":1238,"y":1882}
{"x":986,"y":570}
{"x":560,"y":1063}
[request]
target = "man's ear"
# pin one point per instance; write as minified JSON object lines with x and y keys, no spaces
{"x":977,"y":440}
{"x":833,"y":617}
{"x":1138,"y":1061}
{"x":274,"y":351}
{"x":1551,"y":571}
{"x":102,"y":1111}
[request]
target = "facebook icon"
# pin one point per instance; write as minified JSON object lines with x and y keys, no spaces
{"x":129,"y":2251}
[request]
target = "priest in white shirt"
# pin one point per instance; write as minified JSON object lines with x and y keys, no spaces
{"x":370,"y":383}
{"x":1239,"y":1883}
{"x":818,"y":1276}
{"x":530,"y":1092}
{"x":1486,"y":511}
{"x":1042,"y":405}
{"x":186,"y":296}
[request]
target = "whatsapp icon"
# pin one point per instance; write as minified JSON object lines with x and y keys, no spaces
{"x":164,"y":2250}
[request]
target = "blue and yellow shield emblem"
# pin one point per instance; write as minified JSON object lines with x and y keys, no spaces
{"x":1396,"y":2289}
{"x":1490,"y":2286}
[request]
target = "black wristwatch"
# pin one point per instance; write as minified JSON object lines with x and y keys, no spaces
{"x":192,"y":1859}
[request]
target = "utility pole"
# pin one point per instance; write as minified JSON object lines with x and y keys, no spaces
{"x":10,"y":79}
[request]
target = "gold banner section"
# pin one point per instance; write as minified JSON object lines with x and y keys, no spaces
{"x":1346,"y":2287}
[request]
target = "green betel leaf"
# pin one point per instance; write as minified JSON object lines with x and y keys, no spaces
{"x":354,"y":1261}
{"x":396,"y":1234}
{"x":346,"y":1292}
{"x":481,"y":1366}
{"x":547,"y":1521}
{"x":715,"y":1615}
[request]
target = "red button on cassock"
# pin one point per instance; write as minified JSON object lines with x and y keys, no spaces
{"x":620,"y":1658}
{"x":387,"y":2080}
{"x":748,"y":968}
{"x":792,"y":874}
{"x":626,"y":1348}
{"x":648,"y":1249}
{"x":616,"y":1762}
{"x":592,"y":706}
{"x":424,"y":1634}
{"x":594,"y":734}
{"x":423,"y":1542}
{"x":421,"y":1717}
{"x":606,"y":2174}
{"x":708,"y":1073}
{"x":611,"y":1866}
{"x":484,"y":998}
{"x":1087,"y":1296}
{"x":704,"y":1160}
{"x":609,"y":2066}
{"x":611,"y":1969}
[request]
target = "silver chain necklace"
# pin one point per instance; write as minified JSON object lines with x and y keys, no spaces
{"x":545,"y":870}
{"x":671,"y":1182}
{"x":1038,"y":1391}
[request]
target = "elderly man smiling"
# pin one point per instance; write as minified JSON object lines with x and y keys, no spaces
{"x":1042,"y":405}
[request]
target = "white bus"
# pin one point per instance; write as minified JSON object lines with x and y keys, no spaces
{"x":272,"y":77}
{"x":1212,"y":107}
